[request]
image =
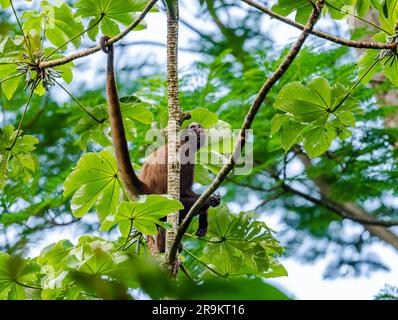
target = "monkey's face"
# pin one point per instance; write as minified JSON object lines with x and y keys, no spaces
{"x":195,"y":133}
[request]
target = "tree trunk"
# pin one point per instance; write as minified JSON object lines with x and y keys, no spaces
{"x":173,"y":165}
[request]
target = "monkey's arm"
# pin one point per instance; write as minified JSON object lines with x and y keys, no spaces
{"x":190,"y":198}
{"x":131,"y":182}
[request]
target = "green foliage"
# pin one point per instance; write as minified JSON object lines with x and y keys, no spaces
{"x":240,"y":245}
{"x":17,"y":276}
{"x":142,"y":215}
{"x":16,"y":159}
{"x":95,"y":181}
{"x":106,"y":14}
{"x":91,"y":130}
{"x":94,"y":268}
{"x":316,"y":114}
{"x":355,"y":154}
{"x":56,"y":21}
{"x":371,"y":63}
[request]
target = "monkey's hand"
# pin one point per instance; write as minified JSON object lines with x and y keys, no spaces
{"x":215,"y":200}
{"x":201,"y":232}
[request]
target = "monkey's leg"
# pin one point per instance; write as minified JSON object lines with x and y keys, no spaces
{"x":188,"y":200}
{"x":202,"y":229}
{"x":161,"y":238}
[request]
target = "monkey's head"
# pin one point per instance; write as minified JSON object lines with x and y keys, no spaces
{"x":195,"y":133}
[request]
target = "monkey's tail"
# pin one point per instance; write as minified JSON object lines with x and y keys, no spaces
{"x":133,"y":185}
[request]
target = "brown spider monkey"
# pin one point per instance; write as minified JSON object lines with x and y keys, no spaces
{"x":153,"y":175}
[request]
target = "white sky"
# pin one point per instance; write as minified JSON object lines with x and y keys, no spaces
{"x":304,"y":281}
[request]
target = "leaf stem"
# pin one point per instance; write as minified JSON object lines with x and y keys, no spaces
{"x":11,"y":77}
{"x":73,"y":38}
{"x":357,"y":17}
{"x":354,"y":86}
{"x":22,"y":118}
{"x":78,"y":103}
{"x":204,"y":264}
{"x":23,"y":33}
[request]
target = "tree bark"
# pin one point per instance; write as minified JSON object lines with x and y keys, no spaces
{"x":173,"y":129}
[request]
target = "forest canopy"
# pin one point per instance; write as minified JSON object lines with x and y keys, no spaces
{"x":305,"y":130}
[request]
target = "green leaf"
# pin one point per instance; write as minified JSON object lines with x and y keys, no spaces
{"x":309,"y":111}
{"x":90,"y":130}
{"x":10,"y":86}
{"x":362,"y":7}
{"x":18,"y":162}
{"x":108,"y":13}
{"x":94,"y":182}
{"x":9,"y":83}
{"x":302,"y":8}
{"x":290,"y":134}
{"x":16,"y":275}
{"x":137,"y":112}
{"x":388,"y":14}
{"x":318,"y":140}
{"x":99,"y":132}
{"x":58,"y":21}
{"x":240,"y":288}
{"x":93,"y":256}
{"x":5,"y":3}
{"x":55,"y":253}
{"x":202,"y":175}
{"x":239,"y":245}
{"x":277,"y":122}
{"x":143,"y":215}
{"x":204,"y":117}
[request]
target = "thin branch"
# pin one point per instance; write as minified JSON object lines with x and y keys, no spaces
{"x":87,"y":52}
{"x":324,"y":35}
{"x":153,"y":43}
{"x":73,"y":38}
{"x":269,"y":83}
{"x":324,"y":202}
{"x":271,"y":198}
{"x":78,"y":103}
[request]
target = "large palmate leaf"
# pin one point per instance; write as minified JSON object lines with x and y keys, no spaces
{"x":143,"y":215}
{"x":315,"y":114}
{"x":106,"y":14}
{"x":57,"y":21}
{"x":17,"y":275}
{"x":16,"y":162}
{"x":99,"y":132}
{"x":94,"y":182}
{"x":241,"y":245}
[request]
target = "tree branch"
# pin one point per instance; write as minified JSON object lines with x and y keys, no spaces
{"x":87,"y":52}
{"x":278,"y":73}
{"x":331,"y":206}
{"x":324,"y":35}
{"x":351,"y":209}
